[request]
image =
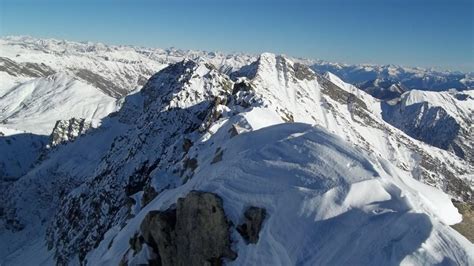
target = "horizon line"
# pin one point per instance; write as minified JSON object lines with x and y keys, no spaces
{"x":316,"y":60}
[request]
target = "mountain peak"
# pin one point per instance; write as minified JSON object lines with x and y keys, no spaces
{"x":278,"y":68}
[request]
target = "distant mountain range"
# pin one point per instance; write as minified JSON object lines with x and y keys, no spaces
{"x":138,"y":63}
{"x":120,"y":155}
{"x":390,"y":81}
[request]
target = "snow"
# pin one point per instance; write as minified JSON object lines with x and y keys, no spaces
{"x":337,"y":183}
{"x":7,"y":82}
{"x":260,"y":117}
{"x":348,"y":208}
{"x":410,"y":77}
{"x":373,"y":103}
{"x":36,"y":105}
{"x":19,"y":150}
{"x":455,"y":107}
{"x":320,"y":211}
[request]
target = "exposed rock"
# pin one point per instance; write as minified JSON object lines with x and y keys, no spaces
{"x":202,"y":230}
{"x":159,"y":231}
{"x":24,"y":69}
{"x":339,"y":95}
{"x":105,"y":85}
{"x":68,"y":130}
{"x":433,"y":125}
{"x":187,"y":144}
{"x":287,"y":116}
{"x":215,"y":113}
{"x":149,"y":193}
{"x":136,"y":243}
{"x":190,"y":164}
{"x":252,"y":224}
{"x":384,"y":89}
{"x":195,"y":233}
{"x":303,"y":72}
{"x":242,"y":85}
{"x":138,"y":180}
{"x":466,"y":227}
{"x":218,"y":156}
{"x":233,"y":131}
{"x":236,"y":130}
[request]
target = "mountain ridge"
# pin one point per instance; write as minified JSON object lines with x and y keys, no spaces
{"x":179,"y":133}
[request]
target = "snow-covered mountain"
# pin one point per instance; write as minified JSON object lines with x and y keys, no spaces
{"x":117,"y":71}
{"x":85,"y":78}
{"x":35,"y":106}
{"x":383,"y":89}
{"x":442,"y":119}
{"x":271,"y":164}
{"x":389,"y":81}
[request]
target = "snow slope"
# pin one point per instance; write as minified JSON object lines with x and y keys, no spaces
{"x":441,"y":119}
{"x":36,"y":105}
{"x":328,"y":203}
{"x":321,"y":189}
{"x":459,"y":105}
{"x":300,"y":95}
{"x":117,"y":70}
{"x":19,"y":151}
{"x":27,"y":65}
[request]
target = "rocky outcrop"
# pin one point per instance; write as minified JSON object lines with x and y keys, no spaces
{"x":159,"y":232}
{"x":106,"y":86}
{"x":195,"y":233}
{"x":218,"y":156}
{"x":27,"y":69}
{"x":149,"y":193}
{"x":383,"y":89}
{"x":466,"y":227}
{"x":68,"y":130}
{"x":252,"y":224}
{"x":439,"y":119}
{"x":170,"y":108}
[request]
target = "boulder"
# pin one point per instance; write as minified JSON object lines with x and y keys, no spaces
{"x":195,"y":233}
{"x":253,"y":220}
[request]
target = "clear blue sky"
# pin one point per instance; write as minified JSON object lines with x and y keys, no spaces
{"x":406,"y":32}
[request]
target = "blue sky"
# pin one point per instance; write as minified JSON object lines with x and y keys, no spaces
{"x":406,"y":32}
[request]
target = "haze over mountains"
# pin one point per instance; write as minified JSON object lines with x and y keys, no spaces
{"x":129,"y":155}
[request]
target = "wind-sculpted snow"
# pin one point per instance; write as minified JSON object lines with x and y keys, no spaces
{"x":326,"y":203}
{"x":175,"y":103}
{"x":356,"y":116}
{"x":190,"y":128}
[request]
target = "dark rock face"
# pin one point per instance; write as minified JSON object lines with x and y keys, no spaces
{"x":24,"y":69}
{"x":303,"y":72}
{"x":432,"y":125}
{"x":187,"y":144}
{"x":195,"y":233}
{"x":252,"y":224}
{"x":383,"y":89}
{"x":68,"y":130}
{"x":176,"y":111}
{"x":202,"y":230}
{"x":158,"y":230}
{"x":149,"y":193}
{"x":466,"y":227}
{"x":218,"y":156}
{"x":106,"y":86}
